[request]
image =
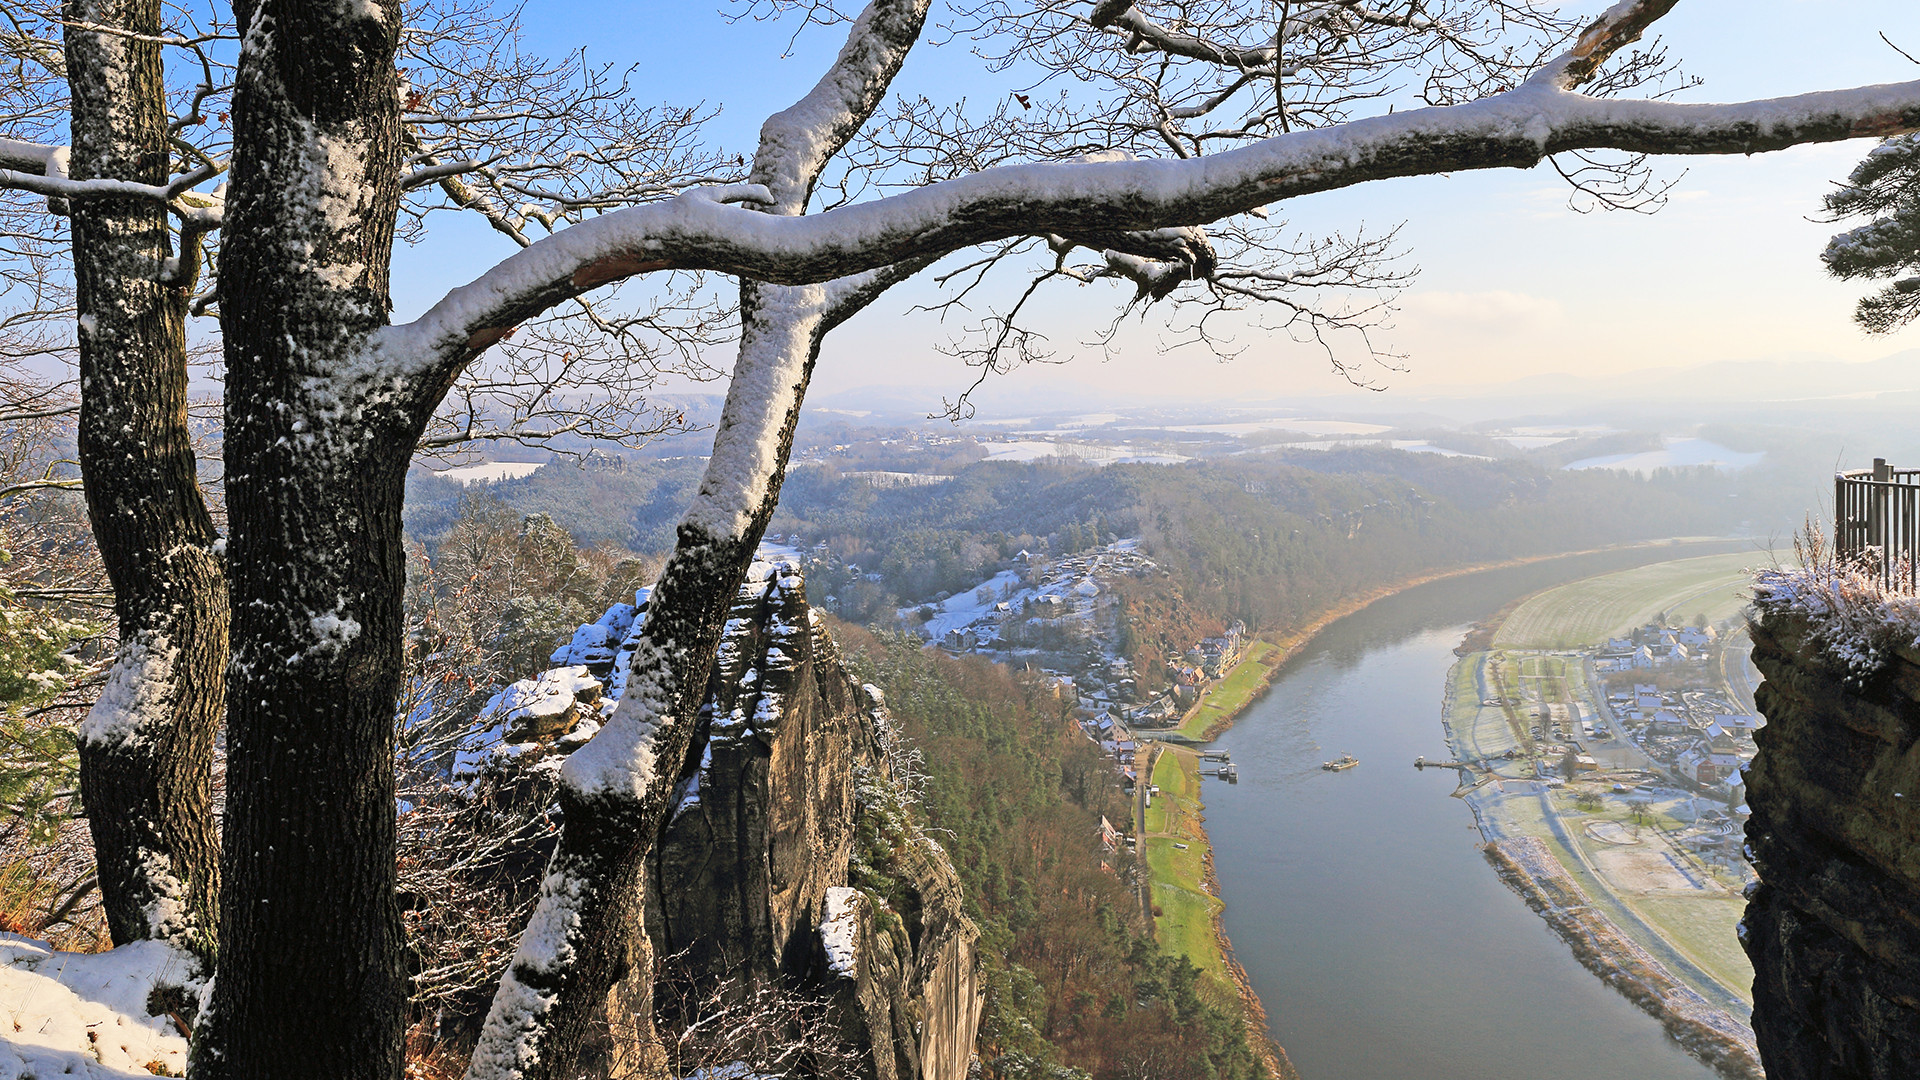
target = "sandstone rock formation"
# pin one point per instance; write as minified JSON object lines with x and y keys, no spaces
{"x":791,"y":859}
{"x":1833,"y":927}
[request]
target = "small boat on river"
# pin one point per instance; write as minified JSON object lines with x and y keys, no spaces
{"x":1344,"y":761}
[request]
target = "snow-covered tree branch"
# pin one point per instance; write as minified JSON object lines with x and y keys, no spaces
{"x":713,"y":229}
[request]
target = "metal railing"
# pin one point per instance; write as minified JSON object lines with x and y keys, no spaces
{"x":1876,"y":515}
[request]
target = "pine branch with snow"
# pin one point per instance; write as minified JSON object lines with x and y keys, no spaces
{"x":1885,"y":188}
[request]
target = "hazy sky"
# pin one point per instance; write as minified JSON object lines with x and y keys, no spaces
{"x":1512,"y":282}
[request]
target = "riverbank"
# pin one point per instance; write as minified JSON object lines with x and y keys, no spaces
{"x":1710,"y":1034}
{"x":1184,"y":896}
{"x":1230,"y":695}
{"x":1603,"y":855}
{"x":1219,"y":706}
{"x":1258,"y":1025}
{"x":1614,"y":829}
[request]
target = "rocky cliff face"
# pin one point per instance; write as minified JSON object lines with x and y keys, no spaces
{"x":791,"y":868}
{"x":1833,"y":927}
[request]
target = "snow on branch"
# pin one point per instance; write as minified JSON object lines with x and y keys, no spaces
{"x":797,"y":142}
{"x":60,"y":187}
{"x":705,"y":229}
{"x":30,"y":157}
{"x":42,"y":170}
{"x":1618,"y":27}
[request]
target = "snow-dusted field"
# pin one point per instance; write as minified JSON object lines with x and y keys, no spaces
{"x":1411,"y":446}
{"x":1567,"y":430}
{"x":1308,"y":427}
{"x":1035,"y":449}
{"x":1678,"y":453}
{"x":961,"y":610}
{"x":1532,"y":442}
{"x":1091,"y":420}
{"x":1071,"y":579}
{"x":488,"y":472}
{"x":771,"y":552}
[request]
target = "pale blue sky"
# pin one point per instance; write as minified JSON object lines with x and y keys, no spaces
{"x":1512,"y":282}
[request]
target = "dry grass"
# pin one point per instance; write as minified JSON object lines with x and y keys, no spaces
{"x":47,"y":890}
{"x":1589,"y":611}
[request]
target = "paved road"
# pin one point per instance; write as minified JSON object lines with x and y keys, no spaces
{"x":1736,"y":667}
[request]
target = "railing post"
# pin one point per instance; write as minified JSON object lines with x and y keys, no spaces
{"x":1879,"y":508}
{"x":1877,"y":511}
{"x":1841,"y":513}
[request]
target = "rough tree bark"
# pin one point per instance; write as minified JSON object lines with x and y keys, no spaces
{"x":310,"y":981}
{"x":146,"y":751}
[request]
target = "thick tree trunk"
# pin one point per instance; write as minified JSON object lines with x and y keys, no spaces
{"x":311,"y":981}
{"x":146,"y":751}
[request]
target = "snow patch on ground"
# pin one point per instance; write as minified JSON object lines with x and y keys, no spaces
{"x":964,"y":609}
{"x":1411,"y":446}
{"x":769,"y":553}
{"x":1567,"y":430}
{"x":85,"y":1014}
{"x":1300,"y":424}
{"x":1036,"y":449}
{"x":1091,"y":420}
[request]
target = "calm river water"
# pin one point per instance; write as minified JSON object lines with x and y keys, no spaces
{"x":1377,"y":936}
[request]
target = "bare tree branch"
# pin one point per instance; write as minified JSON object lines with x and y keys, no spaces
{"x":704,"y":229}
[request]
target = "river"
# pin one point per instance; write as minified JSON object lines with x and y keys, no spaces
{"x":1379,"y":939}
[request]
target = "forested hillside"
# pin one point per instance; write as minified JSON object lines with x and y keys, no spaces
{"x":1268,"y":538}
{"x":1015,"y":794}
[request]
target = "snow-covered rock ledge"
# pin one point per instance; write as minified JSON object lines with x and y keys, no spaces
{"x":1853,"y":621}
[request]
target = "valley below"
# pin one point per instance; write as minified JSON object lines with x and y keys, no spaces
{"x":1366,"y":917}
